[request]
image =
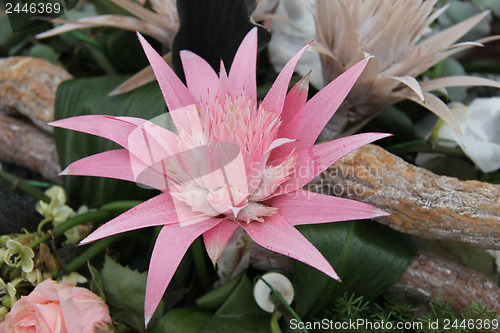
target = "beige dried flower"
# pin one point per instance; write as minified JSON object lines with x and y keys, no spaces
{"x":393,"y":32}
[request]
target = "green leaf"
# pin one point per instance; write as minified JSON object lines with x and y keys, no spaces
{"x":96,"y":285}
{"x":182,"y":321}
{"x":367,"y":256}
{"x":125,"y":51}
{"x":237,"y":312}
{"x":125,"y":290}
{"x":393,"y":120}
{"x":215,"y":298}
{"x":44,"y":52}
{"x":452,"y":166}
{"x":89,"y":96}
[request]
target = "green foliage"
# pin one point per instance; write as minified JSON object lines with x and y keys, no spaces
{"x":44,"y":52}
{"x":232,"y":310}
{"x":367,"y":256}
{"x":392,"y":120}
{"x":451,"y":166}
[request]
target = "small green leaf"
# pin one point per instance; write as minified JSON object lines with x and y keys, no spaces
{"x":367,"y":256}
{"x":96,"y":285}
{"x":125,"y":290}
{"x":44,"y":52}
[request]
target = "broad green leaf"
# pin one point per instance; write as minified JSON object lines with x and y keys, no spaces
{"x":182,"y":321}
{"x":215,"y":298}
{"x":239,"y":313}
{"x":234,"y":310}
{"x":367,"y":256}
{"x":125,"y":290}
{"x":89,"y":96}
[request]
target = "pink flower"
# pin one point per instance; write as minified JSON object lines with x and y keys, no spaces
{"x":53,"y":307}
{"x":233,"y":163}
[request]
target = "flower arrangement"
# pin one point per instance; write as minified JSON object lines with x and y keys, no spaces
{"x":209,"y":199}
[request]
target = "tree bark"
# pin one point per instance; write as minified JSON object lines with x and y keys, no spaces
{"x":420,"y":202}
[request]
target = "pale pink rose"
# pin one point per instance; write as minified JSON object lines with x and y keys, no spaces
{"x":57,"y":307}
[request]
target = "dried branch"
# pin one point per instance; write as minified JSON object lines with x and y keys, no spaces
{"x":429,"y":277}
{"x":420,"y":202}
{"x":24,"y":144}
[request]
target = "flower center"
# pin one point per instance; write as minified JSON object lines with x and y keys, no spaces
{"x":230,"y":173}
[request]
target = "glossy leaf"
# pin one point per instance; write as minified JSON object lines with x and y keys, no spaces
{"x":215,"y":298}
{"x":182,"y":321}
{"x":367,"y":256}
{"x":89,"y":96}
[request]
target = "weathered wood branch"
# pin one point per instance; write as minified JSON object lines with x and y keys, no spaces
{"x":430,"y":277}
{"x":420,"y":202}
{"x":28,"y":87}
{"x":23,"y":144}
{"x":27,"y":96}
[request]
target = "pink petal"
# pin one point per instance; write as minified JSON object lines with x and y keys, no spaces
{"x":243,"y":69}
{"x":316,"y":159}
{"x":109,"y":127}
{"x":201,"y":79}
{"x":304,"y":207}
{"x":273,"y":102}
{"x":278,"y":235}
{"x":307,"y":124}
{"x":160,"y":210}
{"x":216,"y":238}
{"x":171,"y":245}
{"x":295,"y":100}
{"x":147,"y":141}
{"x":116,"y":164}
{"x":174,"y":92}
{"x":224,"y":88}
{"x":69,"y":309}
